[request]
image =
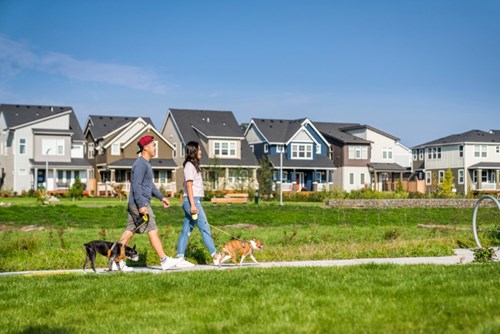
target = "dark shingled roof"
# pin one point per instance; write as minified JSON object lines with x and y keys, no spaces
{"x":472,"y":136}
{"x":386,"y":167}
{"x":102,"y":125}
{"x":335,"y":131}
{"x":278,"y":130}
{"x":214,"y":124}
{"x":155,"y":163}
{"x":319,"y":162}
{"x":16,"y":115}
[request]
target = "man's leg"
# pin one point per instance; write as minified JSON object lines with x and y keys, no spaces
{"x":154,"y":239}
{"x":126,"y":237}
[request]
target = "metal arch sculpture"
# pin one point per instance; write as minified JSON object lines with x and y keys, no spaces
{"x":474,"y":216}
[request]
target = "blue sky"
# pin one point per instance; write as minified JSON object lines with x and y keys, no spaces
{"x":419,"y":70}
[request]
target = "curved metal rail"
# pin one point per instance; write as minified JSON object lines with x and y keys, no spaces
{"x":474,"y":216}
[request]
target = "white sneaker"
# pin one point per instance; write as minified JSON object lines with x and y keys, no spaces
{"x":217,"y":259}
{"x":184,"y":264}
{"x":169,"y":262}
{"x":124,"y":267}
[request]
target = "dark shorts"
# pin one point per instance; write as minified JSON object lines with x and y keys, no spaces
{"x":144,"y":227}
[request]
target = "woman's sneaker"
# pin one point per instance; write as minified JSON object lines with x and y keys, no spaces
{"x":169,"y":262}
{"x":184,"y":264}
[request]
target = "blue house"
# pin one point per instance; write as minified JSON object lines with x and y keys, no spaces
{"x":296,"y":148}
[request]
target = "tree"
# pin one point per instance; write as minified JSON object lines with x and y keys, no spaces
{"x":76,"y":190}
{"x":265,"y":177}
{"x":446,"y":187}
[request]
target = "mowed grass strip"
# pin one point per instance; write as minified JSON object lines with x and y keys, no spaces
{"x":359,"y":299}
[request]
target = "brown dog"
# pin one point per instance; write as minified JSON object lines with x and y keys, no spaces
{"x":242,"y":247}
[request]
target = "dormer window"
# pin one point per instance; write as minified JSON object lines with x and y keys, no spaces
{"x":115,"y":149}
{"x":280,"y":149}
{"x":302,"y":151}
{"x":225,"y":149}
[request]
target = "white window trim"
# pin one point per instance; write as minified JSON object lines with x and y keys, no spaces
{"x":115,"y":149}
{"x":307,"y":150}
{"x":23,"y":145}
{"x":428,"y":178}
{"x":440,"y":176}
{"x":266,"y":148}
{"x":461,"y":176}
{"x":229,"y":149}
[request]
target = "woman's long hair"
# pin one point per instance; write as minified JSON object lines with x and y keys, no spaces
{"x":192,"y":155}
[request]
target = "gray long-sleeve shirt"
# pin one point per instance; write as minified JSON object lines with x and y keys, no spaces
{"x":142,"y":187}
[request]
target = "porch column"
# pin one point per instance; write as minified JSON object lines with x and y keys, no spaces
{"x":498,"y":180}
{"x":35,"y":179}
{"x":112,"y":176}
{"x":375,"y":180}
{"x":479,"y":179}
{"x":226,"y":176}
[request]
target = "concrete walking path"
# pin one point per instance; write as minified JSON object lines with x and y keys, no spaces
{"x":461,"y":256}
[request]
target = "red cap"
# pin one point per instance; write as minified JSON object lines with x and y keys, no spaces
{"x":143,"y":142}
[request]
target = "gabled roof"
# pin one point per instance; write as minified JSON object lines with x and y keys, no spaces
{"x":278,"y":130}
{"x":367,"y":127}
{"x":16,"y":115}
{"x":335,"y":132}
{"x":472,"y":136}
{"x":101,"y":126}
{"x":208,"y":123}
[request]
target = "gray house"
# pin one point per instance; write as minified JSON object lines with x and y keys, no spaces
{"x":227,"y":163}
{"x":40,"y":147}
{"x":472,"y":156}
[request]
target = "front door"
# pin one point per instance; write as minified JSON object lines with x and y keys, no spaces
{"x":299,"y":180}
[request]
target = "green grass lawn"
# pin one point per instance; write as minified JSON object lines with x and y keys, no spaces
{"x":292,"y":232}
{"x":359,"y":299}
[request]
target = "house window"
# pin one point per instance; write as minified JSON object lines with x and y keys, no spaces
{"x":351,"y":178}
{"x":461,"y":151}
{"x":434,"y":153}
{"x":266,"y":148}
{"x":252,"y":148}
{"x":461,"y":176}
{"x":440,"y":176}
{"x":362,"y":178}
{"x":318,"y":149}
{"x":358,"y":152}
{"x":387,"y":153}
{"x":415,"y":155}
{"x":498,"y":149}
{"x":60,"y":176}
{"x":157,"y":149}
{"x":428,"y":178}
{"x":91,"y":151}
{"x":238,"y":175}
{"x":182,"y":150}
{"x":162,"y":176}
{"x":225,"y":149}
{"x":480,"y":151}
{"x":302,"y":151}
{"x":100,"y":149}
{"x":115,"y":149}
{"x":174,"y":152}
{"x":22,"y":146}
{"x":331,"y":152}
{"x":421,"y":154}
{"x":280,"y":149}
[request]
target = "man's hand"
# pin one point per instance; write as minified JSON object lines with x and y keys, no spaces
{"x":165,"y":202}
{"x":143,"y":210}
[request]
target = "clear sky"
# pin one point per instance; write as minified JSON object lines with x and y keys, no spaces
{"x":418,"y":70}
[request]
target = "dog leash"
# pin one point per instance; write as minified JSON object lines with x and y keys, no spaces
{"x":145,"y":220}
{"x":232,"y":236}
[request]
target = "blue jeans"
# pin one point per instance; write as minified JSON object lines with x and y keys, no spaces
{"x":189,"y":224}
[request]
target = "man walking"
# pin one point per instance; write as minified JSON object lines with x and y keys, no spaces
{"x":141,"y":218}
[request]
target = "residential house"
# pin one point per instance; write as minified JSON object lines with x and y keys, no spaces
{"x":472,"y":156}
{"x":112,"y":150}
{"x":298,"y":152}
{"x":365,"y":157}
{"x":41,"y":147}
{"x":227,"y":161}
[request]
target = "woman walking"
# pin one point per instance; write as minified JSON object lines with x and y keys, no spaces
{"x":193,"y":211}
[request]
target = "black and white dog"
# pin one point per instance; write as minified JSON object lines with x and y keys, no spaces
{"x":106,"y":248}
